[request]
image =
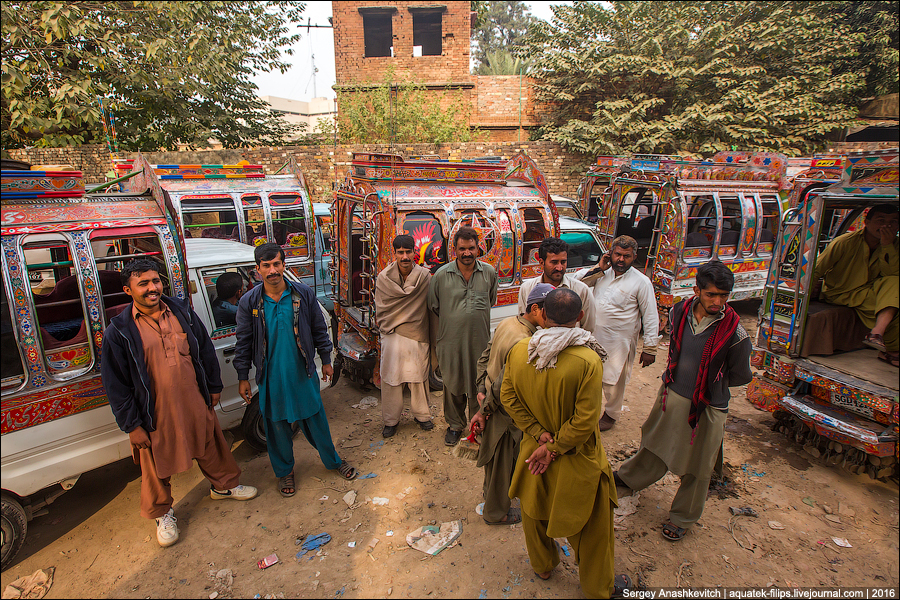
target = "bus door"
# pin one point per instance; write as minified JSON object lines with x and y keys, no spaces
{"x":636,"y":217}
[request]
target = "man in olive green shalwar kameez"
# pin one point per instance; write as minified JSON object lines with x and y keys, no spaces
{"x":500,"y":441}
{"x":562,"y":476}
{"x":461,"y":295}
{"x":861,"y":271}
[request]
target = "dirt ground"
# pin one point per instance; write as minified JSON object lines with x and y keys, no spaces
{"x":101,"y":547}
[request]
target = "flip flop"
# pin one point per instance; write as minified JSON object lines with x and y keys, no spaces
{"x":512,"y":517}
{"x":873,"y":340}
{"x":672,"y":532}
{"x":287,"y":482}
{"x":621,"y":584}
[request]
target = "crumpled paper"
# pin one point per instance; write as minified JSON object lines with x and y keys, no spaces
{"x":431,"y":539}
{"x":628,"y":505}
{"x":33,"y":586}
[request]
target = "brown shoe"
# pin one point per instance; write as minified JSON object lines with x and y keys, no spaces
{"x":606,"y":422}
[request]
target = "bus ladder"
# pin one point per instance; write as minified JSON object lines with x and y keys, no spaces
{"x":794,"y":305}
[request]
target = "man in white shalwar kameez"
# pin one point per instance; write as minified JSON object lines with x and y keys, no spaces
{"x":554,"y":256}
{"x":625,"y":306}
{"x":401,"y":292}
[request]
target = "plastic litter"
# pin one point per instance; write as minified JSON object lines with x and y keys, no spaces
{"x":35,"y":585}
{"x":351,"y":544}
{"x":480,"y":509}
{"x":312,"y":543}
{"x":432,"y":540}
{"x":744,"y":511}
{"x":776,"y":525}
{"x":268,"y":561}
{"x":565,"y":549}
{"x":842,"y":542}
{"x":367,"y":476}
{"x":390,"y":533}
{"x":380,"y":501}
{"x":350,"y":497}
{"x":367,"y":402}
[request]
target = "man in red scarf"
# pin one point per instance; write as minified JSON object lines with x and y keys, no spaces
{"x":709,"y":352}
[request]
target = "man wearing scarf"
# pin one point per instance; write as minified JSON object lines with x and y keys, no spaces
{"x":401,"y":292}
{"x":552,"y":389}
{"x":709,"y":352}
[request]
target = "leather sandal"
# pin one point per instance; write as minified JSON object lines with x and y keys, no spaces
{"x":672,"y":532}
{"x":346,"y":471}
{"x":873,"y":340}
{"x":287,"y":483}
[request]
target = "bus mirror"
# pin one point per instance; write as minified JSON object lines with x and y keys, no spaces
{"x":193,"y":287}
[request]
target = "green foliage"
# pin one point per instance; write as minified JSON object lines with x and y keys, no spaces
{"x":402,"y":111}
{"x":699,"y":77}
{"x":502,"y":62}
{"x":170,"y":71}
{"x":499,"y":31}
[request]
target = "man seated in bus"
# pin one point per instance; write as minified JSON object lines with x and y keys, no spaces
{"x":871,"y":291}
{"x":229,"y":289}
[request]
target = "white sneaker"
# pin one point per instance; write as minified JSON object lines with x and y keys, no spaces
{"x":241,"y":492}
{"x":166,"y":529}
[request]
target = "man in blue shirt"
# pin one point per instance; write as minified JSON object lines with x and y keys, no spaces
{"x":279,"y":326}
{"x":229,"y":289}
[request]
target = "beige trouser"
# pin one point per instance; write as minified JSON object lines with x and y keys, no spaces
{"x":614,"y":396}
{"x":392,"y":402}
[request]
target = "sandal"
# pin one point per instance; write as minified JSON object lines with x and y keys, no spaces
{"x":512,"y":517}
{"x":891,"y":360}
{"x":346,"y":471}
{"x":672,"y":532}
{"x":873,"y":340}
{"x":621,"y":584}
{"x":287,"y":483}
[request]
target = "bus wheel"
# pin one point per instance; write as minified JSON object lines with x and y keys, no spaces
{"x":254,"y":429}
{"x":14,"y":528}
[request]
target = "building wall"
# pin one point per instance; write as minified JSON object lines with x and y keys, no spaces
{"x":325,"y":165}
{"x":299,"y":112}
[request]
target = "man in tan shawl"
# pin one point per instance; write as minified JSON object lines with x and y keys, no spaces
{"x":401,"y":292}
{"x":552,"y":389}
{"x":500,"y":441}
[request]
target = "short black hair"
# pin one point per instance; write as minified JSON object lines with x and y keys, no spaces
{"x":228,"y":284}
{"x":887,"y":209}
{"x":404,"y":241}
{"x":268,"y":251}
{"x":562,"y":306}
{"x":552,"y":245}
{"x":465,"y":233}
{"x":715,"y":273}
{"x":538,"y":304}
{"x":138,"y":266}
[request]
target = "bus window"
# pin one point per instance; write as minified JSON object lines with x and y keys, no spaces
{"x":769,"y":222}
{"x":289,"y":225}
{"x":595,"y":199}
{"x":234,"y":281}
{"x":209,"y":218}
{"x":254,"y":221}
{"x":701,"y":226}
{"x":12,"y":370}
{"x":637,"y":216}
{"x":506,"y":270}
{"x":112,"y":252}
{"x":59,"y":306}
{"x":535,"y":231}
{"x":431,"y":247}
{"x":731,"y":225}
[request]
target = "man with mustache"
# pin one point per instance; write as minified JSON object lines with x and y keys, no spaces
{"x":461,"y":294}
{"x":401,"y":292}
{"x":709,"y":352}
{"x":626,"y":305}
{"x":554,"y":257}
{"x":279,"y":327}
{"x":162,"y":379}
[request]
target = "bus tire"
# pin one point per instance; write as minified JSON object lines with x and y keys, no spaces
{"x":15,"y":527}
{"x":254,"y":429}
{"x":435,"y":381}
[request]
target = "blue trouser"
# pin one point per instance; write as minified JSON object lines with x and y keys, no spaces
{"x":281,"y":446}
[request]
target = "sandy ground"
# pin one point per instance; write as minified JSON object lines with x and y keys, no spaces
{"x":101,"y":547}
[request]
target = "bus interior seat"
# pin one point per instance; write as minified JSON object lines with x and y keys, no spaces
{"x":696,"y":239}
{"x":731,"y":237}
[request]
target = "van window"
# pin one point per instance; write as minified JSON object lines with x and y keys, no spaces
{"x":534,"y":229}
{"x":289,"y":225}
{"x":769,"y":223}
{"x":326,"y":226}
{"x":112,"y":250}
{"x":731,"y":225}
{"x":12,"y":370}
{"x":431,"y":246}
{"x":59,"y":305}
{"x":233,"y":281}
{"x":254,"y":221}
{"x":637,"y":217}
{"x":212,"y":217}
{"x":701,"y":226}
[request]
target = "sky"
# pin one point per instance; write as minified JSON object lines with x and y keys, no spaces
{"x":317,"y":47}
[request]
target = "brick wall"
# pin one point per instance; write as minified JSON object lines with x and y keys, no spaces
{"x":324,"y":165}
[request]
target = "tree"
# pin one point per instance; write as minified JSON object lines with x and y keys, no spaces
{"x":502,"y":62}
{"x":403,"y":111}
{"x":699,"y":77}
{"x":500,"y":29}
{"x":170,"y":71}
